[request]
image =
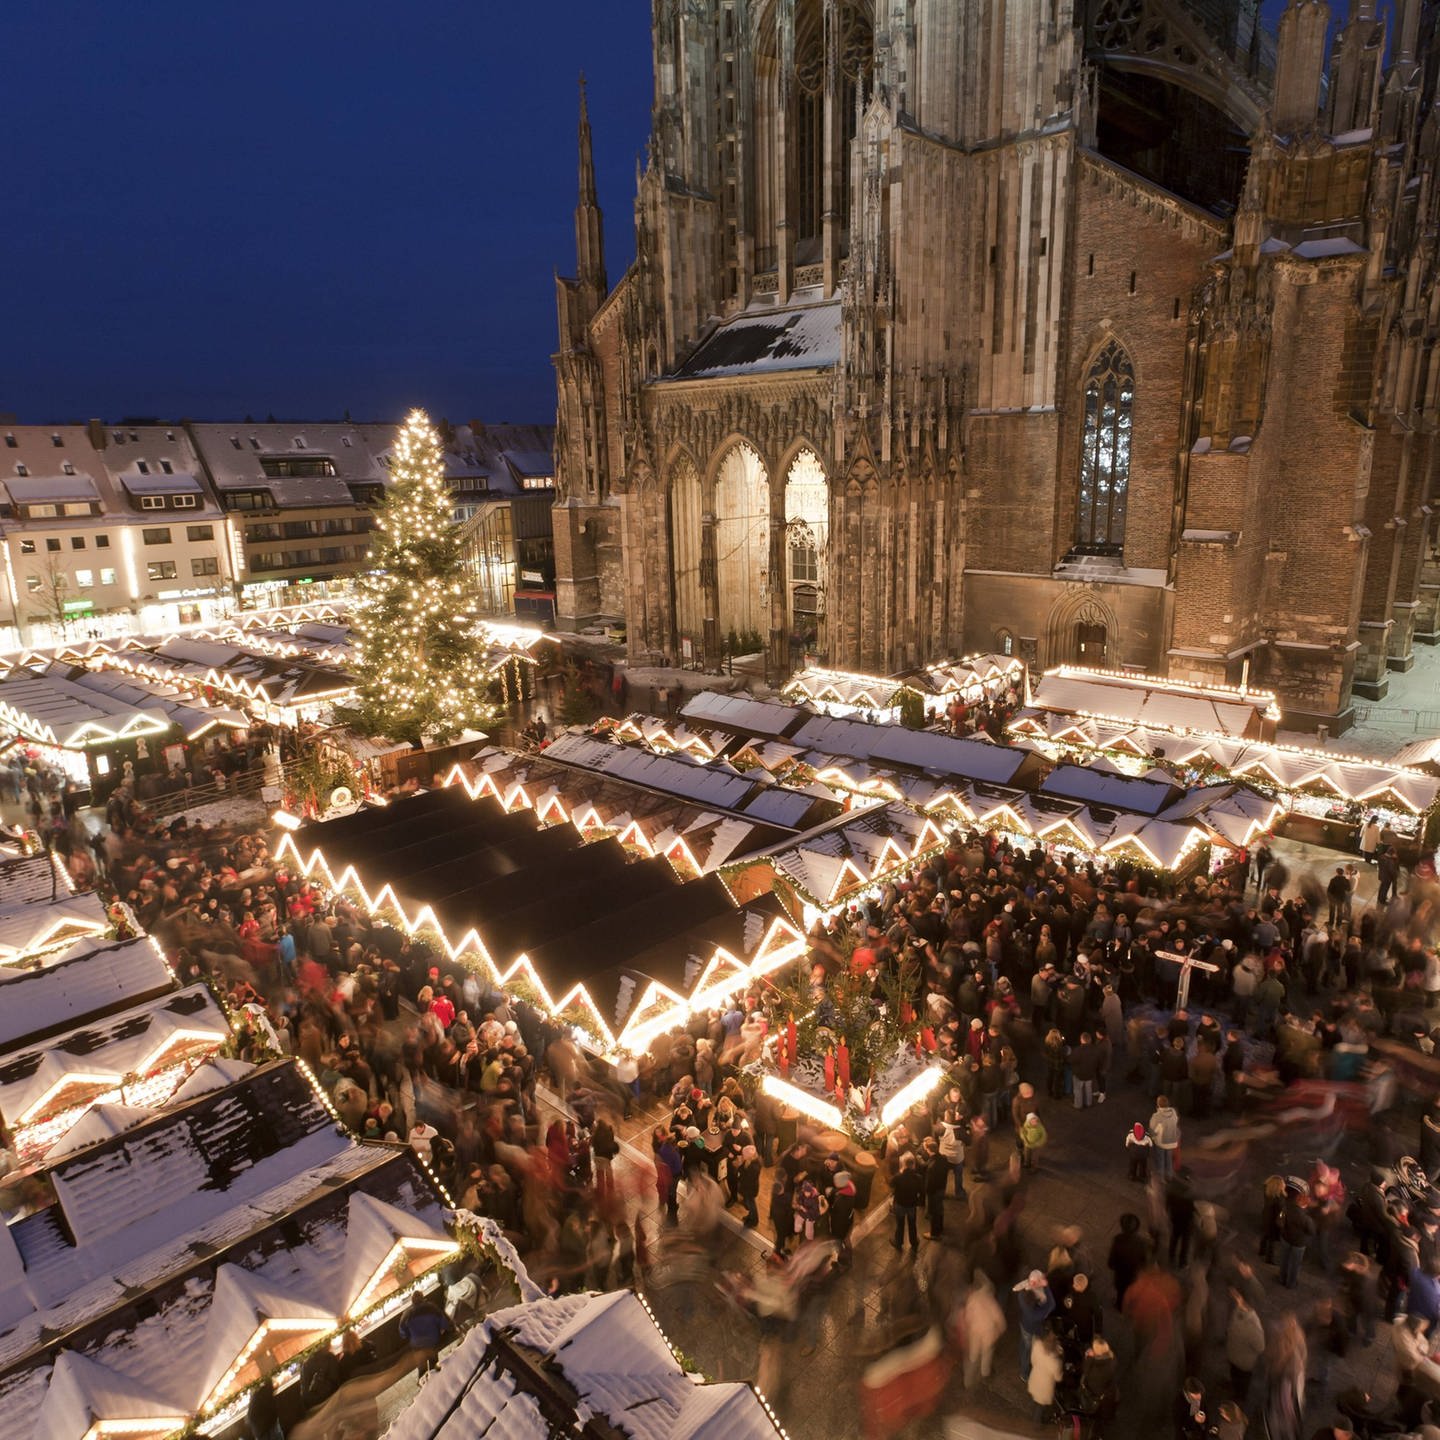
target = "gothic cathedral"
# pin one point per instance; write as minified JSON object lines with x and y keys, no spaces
{"x":1088,"y":330}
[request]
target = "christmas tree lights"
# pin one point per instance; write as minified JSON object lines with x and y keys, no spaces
{"x":421,"y":673}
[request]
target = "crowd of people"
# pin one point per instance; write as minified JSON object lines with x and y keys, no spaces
{"x":1046,"y":990}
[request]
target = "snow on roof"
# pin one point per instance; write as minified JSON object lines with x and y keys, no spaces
{"x":373,"y":1230}
{"x":100,"y":1122}
{"x":178,"y":483}
{"x":56,"y":1073}
{"x":610,"y":1354}
{"x":242,"y":1302}
{"x":215,"y":1074}
{"x":83,"y":1393}
{"x":1418,"y":752}
{"x":1327,"y":249}
{"x":741,"y":714}
{"x":48,"y":489}
{"x":54,"y":710}
{"x":28,"y":879}
{"x":768,"y":340}
{"x":920,"y":749}
{"x":92,"y":982}
{"x":1115,"y":792}
{"x":27,"y":928}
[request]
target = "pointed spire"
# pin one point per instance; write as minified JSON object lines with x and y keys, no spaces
{"x":589,"y":223}
{"x":587,"y":154}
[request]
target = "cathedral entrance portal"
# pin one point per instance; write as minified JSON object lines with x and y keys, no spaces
{"x":807,"y":539}
{"x":742,"y":549}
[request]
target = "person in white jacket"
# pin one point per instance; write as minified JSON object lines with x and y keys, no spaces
{"x":1046,"y":1368}
{"x":984,"y":1323}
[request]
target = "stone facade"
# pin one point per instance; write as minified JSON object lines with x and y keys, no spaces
{"x":1081,"y":331}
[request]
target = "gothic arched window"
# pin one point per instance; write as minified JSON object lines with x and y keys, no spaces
{"x":1105,"y":456}
{"x":854,"y":51}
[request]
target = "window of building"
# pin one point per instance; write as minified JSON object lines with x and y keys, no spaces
{"x":345,"y":441}
{"x":11,"y":442}
{"x":77,"y":507}
{"x":299,"y":443}
{"x":166,"y":468}
{"x":77,"y":542}
{"x":22,"y":470}
{"x":205,"y":565}
{"x":157,"y":536}
{"x":52,"y":546}
{"x":43,"y":512}
{"x":68,"y":467}
{"x":1105,"y":457}
{"x":57,"y":442}
{"x":102,"y":542}
{"x":854,"y":49}
{"x":184,"y":502}
{"x":33,"y":583}
{"x":235,"y":441}
{"x":161,"y":569}
{"x":248,"y":500}
{"x":254,"y":443}
{"x":107,"y":577}
{"x":27,"y":547}
{"x":84,"y":579}
{"x":169,"y":434}
{"x":152,"y":502}
{"x":288,"y":467}
{"x":143,"y":467}
{"x":199,"y":532}
{"x":118,"y":436}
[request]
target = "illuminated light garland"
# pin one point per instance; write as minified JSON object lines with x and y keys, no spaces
{"x":317,"y":1327}
{"x":803,"y":1101}
{"x":909,"y":1094}
{"x":440,"y":1251}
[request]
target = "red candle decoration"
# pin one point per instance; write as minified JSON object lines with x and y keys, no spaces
{"x":790,"y":1040}
{"x":829,"y":1071}
{"x":842,"y":1058}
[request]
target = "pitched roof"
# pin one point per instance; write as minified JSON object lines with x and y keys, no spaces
{"x":573,"y":1359}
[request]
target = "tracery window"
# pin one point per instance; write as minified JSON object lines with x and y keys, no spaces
{"x":855,"y":51}
{"x":1105,"y":457}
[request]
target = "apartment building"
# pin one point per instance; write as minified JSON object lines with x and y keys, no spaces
{"x":105,"y":530}
{"x":298,"y":501}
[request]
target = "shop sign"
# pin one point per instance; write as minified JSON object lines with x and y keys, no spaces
{"x":79,"y":607}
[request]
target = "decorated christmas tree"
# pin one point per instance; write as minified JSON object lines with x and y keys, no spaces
{"x":420,"y":668}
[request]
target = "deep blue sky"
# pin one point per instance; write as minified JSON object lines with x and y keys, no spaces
{"x":219,"y":209}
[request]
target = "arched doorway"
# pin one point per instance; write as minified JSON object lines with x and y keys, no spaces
{"x":1090,"y":643}
{"x":742,"y":547}
{"x":686,"y":509}
{"x":807,"y":541}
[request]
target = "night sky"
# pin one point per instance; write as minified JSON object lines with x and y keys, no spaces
{"x":303,"y":208}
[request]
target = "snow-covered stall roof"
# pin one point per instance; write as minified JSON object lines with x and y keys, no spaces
{"x":1154,"y":702}
{"x":742,"y":715}
{"x":1117,"y":792}
{"x":199,"y":1291}
{"x":80,"y":1066}
{"x":918,"y":749}
{"x":51,"y":709}
{"x":1418,"y":752}
{"x":85,"y":1398}
{"x":765,"y":341}
{"x":820,"y":686}
{"x":30,"y":929}
{"x":608,"y":1352}
{"x":95,"y":981}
